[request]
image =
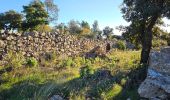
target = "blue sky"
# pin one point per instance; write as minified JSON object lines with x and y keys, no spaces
{"x":107,"y":12}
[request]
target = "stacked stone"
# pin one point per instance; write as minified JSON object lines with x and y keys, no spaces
{"x":35,"y":43}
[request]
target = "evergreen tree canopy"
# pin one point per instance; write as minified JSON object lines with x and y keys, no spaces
{"x":35,"y":14}
{"x":10,"y":20}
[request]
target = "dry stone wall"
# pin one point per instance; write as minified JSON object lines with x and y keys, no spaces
{"x":35,"y":43}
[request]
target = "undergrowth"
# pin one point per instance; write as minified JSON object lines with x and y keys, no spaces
{"x":114,"y":77}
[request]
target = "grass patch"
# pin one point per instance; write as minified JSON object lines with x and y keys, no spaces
{"x":114,"y":77}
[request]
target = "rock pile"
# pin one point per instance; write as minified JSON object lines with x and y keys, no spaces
{"x":35,"y":44}
{"x":157,"y":84}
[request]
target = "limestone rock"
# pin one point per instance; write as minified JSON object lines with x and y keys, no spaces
{"x":56,"y":97}
{"x":32,"y":43}
{"x":157,"y":83}
{"x":2,"y":44}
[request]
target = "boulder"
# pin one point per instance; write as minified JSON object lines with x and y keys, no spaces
{"x":56,"y":97}
{"x":156,"y":86}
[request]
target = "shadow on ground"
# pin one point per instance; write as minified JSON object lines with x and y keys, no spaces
{"x":92,"y":86}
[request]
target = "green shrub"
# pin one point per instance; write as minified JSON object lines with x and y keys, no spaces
{"x":49,"y":59}
{"x":68,"y":62}
{"x":121,"y":45}
{"x":114,"y":92}
{"x":157,"y":43}
{"x":15,"y":60}
{"x":31,"y":62}
{"x":50,"y":56}
{"x":123,"y":81}
{"x":79,"y":61}
{"x":86,"y":71}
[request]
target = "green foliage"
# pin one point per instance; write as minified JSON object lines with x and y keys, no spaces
{"x":107,"y":31}
{"x":85,"y":24}
{"x":63,"y":29}
{"x":10,"y":20}
{"x":144,"y":15}
{"x":114,"y":91}
{"x":31,"y":62}
{"x":121,"y":45}
{"x":49,"y":59}
{"x":15,"y":60}
{"x":44,"y":28}
{"x":69,"y":62}
{"x":96,"y":33}
{"x":74,"y":27}
{"x":158,"y":43}
{"x":79,"y":61}
{"x":35,"y":14}
{"x":83,"y":77}
{"x":86,"y":71}
{"x":123,"y":81}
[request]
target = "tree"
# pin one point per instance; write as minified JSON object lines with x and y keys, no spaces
{"x":131,"y":35}
{"x":1,"y":21}
{"x":85,"y":24}
{"x":95,"y":26}
{"x":35,"y":15}
{"x":62,"y":28}
{"x":96,"y":31}
{"x":85,"y":28}
{"x":107,"y":31}
{"x":44,"y":28}
{"x":143,"y":15}
{"x":74,"y":27}
{"x":10,"y":20}
{"x":52,"y":10}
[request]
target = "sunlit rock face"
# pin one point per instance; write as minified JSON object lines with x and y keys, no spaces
{"x":157,"y":84}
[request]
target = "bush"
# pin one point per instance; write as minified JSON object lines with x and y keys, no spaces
{"x":121,"y":45}
{"x":31,"y":62}
{"x":86,"y":71}
{"x":49,"y":59}
{"x":123,"y":81}
{"x":156,"y":43}
{"x":69,"y":62}
{"x":15,"y":60}
{"x":114,"y":92}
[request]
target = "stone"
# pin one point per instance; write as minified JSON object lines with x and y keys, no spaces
{"x":32,"y":43}
{"x":56,"y":97}
{"x":9,"y":38}
{"x":2,"y":44}
{"x":157,"y":83}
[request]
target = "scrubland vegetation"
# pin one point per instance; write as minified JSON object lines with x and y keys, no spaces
{"x":113,"y":77}
{"x":74,"y":78}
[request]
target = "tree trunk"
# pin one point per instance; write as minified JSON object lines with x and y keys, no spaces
{"x":147,"y":40}
{"x":146,"y":46}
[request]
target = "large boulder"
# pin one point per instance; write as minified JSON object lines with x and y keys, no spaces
{"x":157,"y":84}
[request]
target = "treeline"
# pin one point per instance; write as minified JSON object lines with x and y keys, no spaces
{"x":33,"y":17}
{"x":38,"y":15}
{"x":83,"y":29}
